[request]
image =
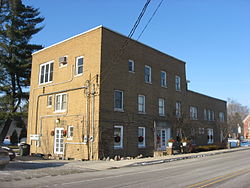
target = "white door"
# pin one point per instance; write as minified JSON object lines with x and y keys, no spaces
{"x":163,"y":135}
{"x":58,"y":143}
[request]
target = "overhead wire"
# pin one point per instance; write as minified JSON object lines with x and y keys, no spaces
{"x":150,"y":19}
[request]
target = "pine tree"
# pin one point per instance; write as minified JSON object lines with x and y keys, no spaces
{"x":18,"y":23}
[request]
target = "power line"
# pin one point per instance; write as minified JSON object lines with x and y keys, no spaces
{"x":150,"y":19}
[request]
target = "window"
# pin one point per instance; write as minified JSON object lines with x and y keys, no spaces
{"x":141,"y":104}
{"x":46,"y":72}
{"x":163,"y":79}
{"x":221,"y":117}
{"x":162,"y":107}
{"x":79,"y":65}
{"x":212,"y":115}
{"x":70,"y":132}
{"x":193,"y":113}
{"x":141,"y":137}
{"x":118,"y":100}
{"x":147,"y":74}
{"x":131,"y":66}
{"x":178,"y":109}
{"x":177,"y":83}
{"x":49,"y":101}
{"x":61,"y":102}
{"x":118,"y":137}
{"x":210,"y":136}
{"x":205,"y":114}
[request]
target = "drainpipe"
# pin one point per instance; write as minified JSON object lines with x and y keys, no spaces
{"x":93,"y":118}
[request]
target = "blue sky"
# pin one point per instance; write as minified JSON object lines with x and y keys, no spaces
{"x":211,"y":36}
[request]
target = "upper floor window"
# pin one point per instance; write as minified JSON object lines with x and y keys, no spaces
{"x":193,"y":113}
{"x":141,"y":137}
{"x":118,"y":137}
{"x":208,"y":115}
{"x":79,"y":65}
{"x":131,"y":66}
{"x":141,"y":104}
{"x":178,"y":109}
{"x":49,"y":101}
{"x":118,"y":100}
{"x":177,"y":83}
{"x":61,"y":102}
{"x":221,"y":117}
{"x":147,"y":74}
{"x":163,"y":79}
{"x":46,"y":72}
{"x":162,"y":107}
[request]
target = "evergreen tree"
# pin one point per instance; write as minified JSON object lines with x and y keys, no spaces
{"x":14,"y":138}
{"x":23,"y":134}
{"x":18,"y":23}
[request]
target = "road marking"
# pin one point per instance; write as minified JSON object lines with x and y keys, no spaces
{"x":218,"y":179}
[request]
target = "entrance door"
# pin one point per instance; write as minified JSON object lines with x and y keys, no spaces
{"x":58,"y":143}
{"x":163,"y":135}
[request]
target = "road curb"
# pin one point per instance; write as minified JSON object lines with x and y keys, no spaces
{"x":144,"y":163}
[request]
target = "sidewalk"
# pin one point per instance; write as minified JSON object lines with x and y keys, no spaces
{"x":29,"y":167}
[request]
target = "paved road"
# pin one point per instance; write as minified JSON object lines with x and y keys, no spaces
{"x":225,"y":170}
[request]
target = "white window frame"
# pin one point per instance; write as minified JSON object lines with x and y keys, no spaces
{"x":143,"y":143}
{"x":141,"y":104}
{"x":133,"y":66}
{"x":77,"y":66}
{"x":44,"y":72}
{"x":61,"y":102}
{"x":121,"y":141}
{"x":177,"y":83}
{"x":148,"y":78}
{"x":70,"y":133}
{"x":178,"y":109}
{"x":221,"y":116}
{"x":49,"y":101}
{"x":210,"y":132}
{"x":119,"y":109}
{"x":161,"y":104}
{"x":58,"y":141}
{"x":163,"y":79}
{"x":193,"y":112}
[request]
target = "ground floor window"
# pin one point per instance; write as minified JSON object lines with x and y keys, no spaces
{"x":118,"y":137}
{"x":70,"y":132}
{"x":210,"y":136}
{"x":141,"y":137}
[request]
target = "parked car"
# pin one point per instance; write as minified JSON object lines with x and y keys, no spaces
{"x":12,"y":154}
{"x":4,"y":158}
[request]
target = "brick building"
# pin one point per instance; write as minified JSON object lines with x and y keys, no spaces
{"x":246,"y":127}
{"x":100,"y":94}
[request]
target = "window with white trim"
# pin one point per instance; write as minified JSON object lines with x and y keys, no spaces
{"x":141,"y":137}
{"x":131,"y":66}
{"x":70,"y":132}
{"x":208,"y":115}
{"x":221,"y":116}
{"x":141,"y":104}
{"x":61,"y":102}
{"x":205,"y":114}
{"x":193,"y":113}
{"x":46,"y":72}
{"x":118,"y":100}
{"x":177,"y":83}
{"x":163,"y":79}
{"x":147,"y":74}
{"x":178,"y":109}
{"x":161,"y":107}
{"x":49,"y":101}
{"x":118,"y":137}
{"x":210,"y":136}
{"x":79,"y":65}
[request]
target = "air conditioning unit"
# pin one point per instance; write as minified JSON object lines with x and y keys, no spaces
{"x":63,"y":60}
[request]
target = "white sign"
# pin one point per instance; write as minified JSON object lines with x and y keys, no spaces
{"x":34,"y":137}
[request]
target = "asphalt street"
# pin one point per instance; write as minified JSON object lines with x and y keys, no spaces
{"x":225,"y":170}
